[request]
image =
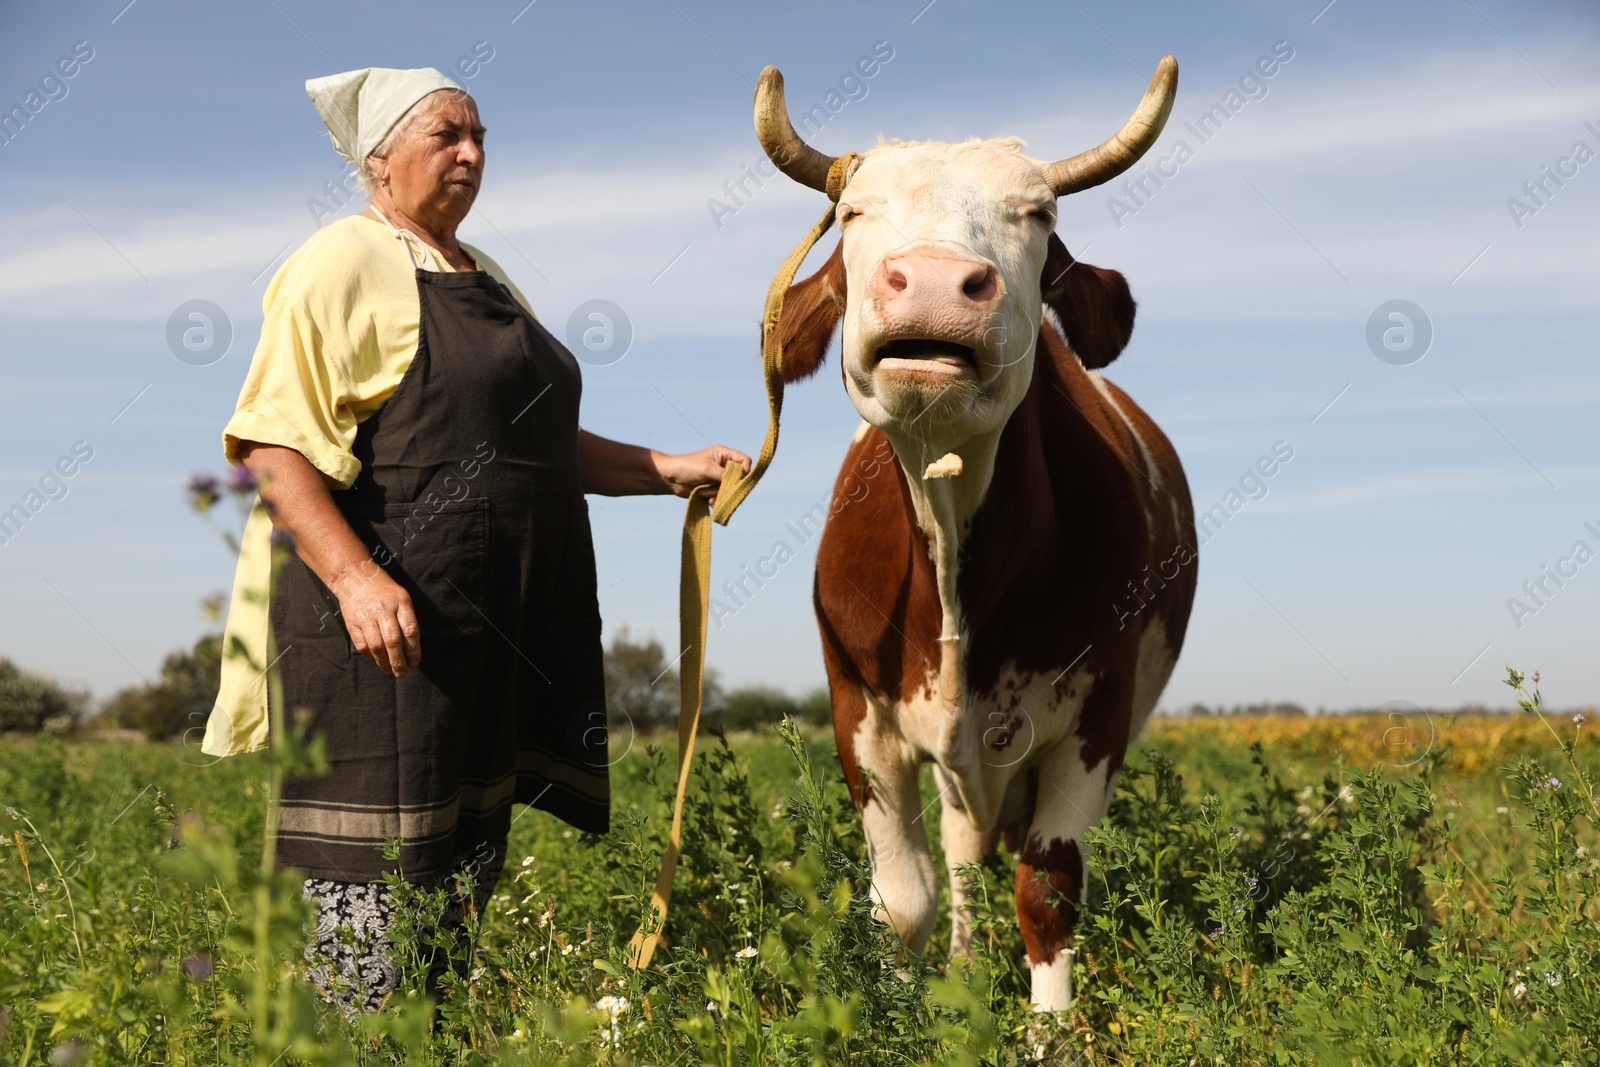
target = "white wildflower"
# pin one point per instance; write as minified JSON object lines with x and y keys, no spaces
{"x":745,"y":953}
{"x":611,"y":1034}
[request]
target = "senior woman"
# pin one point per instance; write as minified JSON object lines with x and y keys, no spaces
{"x":414,"y":429}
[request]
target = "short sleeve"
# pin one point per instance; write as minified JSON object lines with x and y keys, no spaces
{"x":339,"y":328}
{"x":293,"y":395}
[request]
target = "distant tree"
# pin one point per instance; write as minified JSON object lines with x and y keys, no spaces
{"x":762,"y":707}
{"x":29,"y":701}
{"x":642,"y":688}
{"x":756,"y":707}
{"x":1272,"y":708}
{"x":123,"y":708}
{"x":816,"y":707}
{"x":182,"y":699}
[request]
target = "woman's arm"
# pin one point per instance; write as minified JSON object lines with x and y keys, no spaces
{"x":376,"y":610}
{"x":611,"y":468}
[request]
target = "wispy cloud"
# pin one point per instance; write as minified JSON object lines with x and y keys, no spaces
{"x":1319,"y":145}
{"x":1410,"y":487}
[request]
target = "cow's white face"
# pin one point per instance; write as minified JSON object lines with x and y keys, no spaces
{"x":943,"y":245}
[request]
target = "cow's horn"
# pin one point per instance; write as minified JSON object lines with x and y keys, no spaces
{"x":1104,"y":162}
{"x":783,"y":146}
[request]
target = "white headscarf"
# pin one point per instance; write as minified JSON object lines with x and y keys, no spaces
{"x":360,"y":107}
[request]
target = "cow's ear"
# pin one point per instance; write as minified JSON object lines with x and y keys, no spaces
{"x":811,"y":312}
{"x":1093,"y":304}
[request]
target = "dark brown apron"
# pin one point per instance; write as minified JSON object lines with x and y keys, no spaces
{"x":469,"y":496}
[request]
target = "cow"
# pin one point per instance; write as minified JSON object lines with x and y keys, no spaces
{"x":1007,"y":596}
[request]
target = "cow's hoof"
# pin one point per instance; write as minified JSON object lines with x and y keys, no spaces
{"x":1050,"y":1039}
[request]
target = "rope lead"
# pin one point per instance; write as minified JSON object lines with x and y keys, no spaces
{"x":694,"y":583}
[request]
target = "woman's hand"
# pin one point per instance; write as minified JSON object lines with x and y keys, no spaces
{"x":612,"y":468}
{"x":378,"y":614}
{"x":704,"y":468}
{"x":376,"y":610}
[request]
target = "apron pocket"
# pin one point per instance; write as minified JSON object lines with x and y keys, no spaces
{"x":438,"y":551}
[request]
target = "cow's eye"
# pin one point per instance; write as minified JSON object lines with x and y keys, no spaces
{"x":848,"y":213}
{"x":1043,"y":216}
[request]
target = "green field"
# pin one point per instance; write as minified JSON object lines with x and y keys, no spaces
{"x":1366,"y":890}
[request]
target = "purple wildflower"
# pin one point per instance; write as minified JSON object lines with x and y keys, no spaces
{"x":198,"y":967}
{"x":1579,"y":719}
{"x":240,"y":480}
{"x":204,"y":491}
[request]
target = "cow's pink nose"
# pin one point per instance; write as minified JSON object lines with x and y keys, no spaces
{"x":920,"y":286}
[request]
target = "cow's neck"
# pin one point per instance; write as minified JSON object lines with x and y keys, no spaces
{"x":944,"y":508}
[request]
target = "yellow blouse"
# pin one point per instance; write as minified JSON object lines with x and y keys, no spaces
{"x":341,"y":325}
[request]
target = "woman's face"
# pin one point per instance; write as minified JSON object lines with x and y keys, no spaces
{"x":434,"y":171}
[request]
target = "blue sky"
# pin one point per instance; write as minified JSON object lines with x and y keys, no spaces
{"x":180,"y":162}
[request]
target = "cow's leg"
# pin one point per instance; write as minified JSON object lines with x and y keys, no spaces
{"x":883,"y":776}
{"x":904,"y":883}
{"x":1050,"y":875}
{"x":881,"y":772}
{"x":962,"y":844}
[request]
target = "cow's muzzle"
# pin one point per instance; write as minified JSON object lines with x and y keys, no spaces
{"x":934,"y":307}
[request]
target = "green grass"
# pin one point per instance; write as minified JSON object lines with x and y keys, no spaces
{"x":1274,"y":891}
